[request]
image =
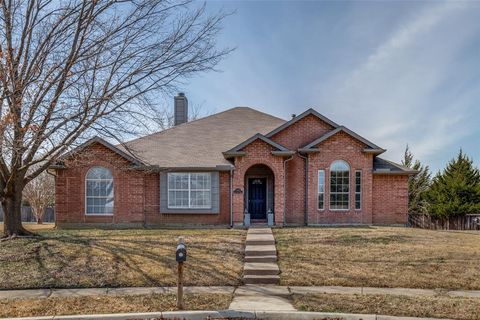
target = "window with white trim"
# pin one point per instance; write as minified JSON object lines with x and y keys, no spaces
{"x":321,"y":189}
{"x":187,"y":190}
{"x":339,"y":185}
{"x":358,"y":189}
{"x":99,"y":195}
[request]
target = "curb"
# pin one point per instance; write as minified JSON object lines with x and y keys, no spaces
{"x":229,"y":314}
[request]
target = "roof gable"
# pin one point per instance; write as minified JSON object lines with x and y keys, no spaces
{"x":237,"y":150}
{"x":371,"y":147}
{"x":310,"y":111}
{"x":104,"y":143}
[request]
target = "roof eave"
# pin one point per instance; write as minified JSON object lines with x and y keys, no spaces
{"x":283,"y":153}
{"x":59,"y":165}
{"x":395,"y":173}
{"x":233,"y":154}
{"x":374,"y":151}
{"x":308,"y":150}
{"x":218,"y":167}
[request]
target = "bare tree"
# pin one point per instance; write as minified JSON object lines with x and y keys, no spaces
{"x":73,"y":69}
{"x":40,"y":194}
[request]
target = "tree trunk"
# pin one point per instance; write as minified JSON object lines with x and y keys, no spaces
{"x":12,"y":216}
{"x":38,"y":212}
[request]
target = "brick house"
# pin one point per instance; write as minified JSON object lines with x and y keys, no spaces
{"x":219,"y":169}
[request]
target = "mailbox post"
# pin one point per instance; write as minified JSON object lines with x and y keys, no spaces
{"x":181,"y":257}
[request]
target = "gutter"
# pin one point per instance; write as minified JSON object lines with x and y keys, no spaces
{"x":394,"y":173}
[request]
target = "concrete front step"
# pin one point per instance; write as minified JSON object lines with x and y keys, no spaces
{"x":261,"y":258}
{"x":260,"y":269}
{"x":270,"y":279}
{"x":260,"y":250}
{"x":260,"y":239}
{"x":259,"y":231}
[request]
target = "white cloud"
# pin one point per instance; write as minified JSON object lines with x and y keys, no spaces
{"x":403,"y":91}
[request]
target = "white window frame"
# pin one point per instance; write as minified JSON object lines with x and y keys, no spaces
{"x":318,"y":189}
{"x":100,"y":197}
{"x":358,"y":192}
{"x":189,"y":206}
{"x":330,"y":187}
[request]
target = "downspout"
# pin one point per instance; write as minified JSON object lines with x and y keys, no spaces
{"x":231,"y":198}
{"x":305,"y":199}
{"x":54,"y":174}
{"x":144,"y":200}
{"x":285,"y":190}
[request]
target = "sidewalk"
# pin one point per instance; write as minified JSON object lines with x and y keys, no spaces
{"x":82,"y":292}
{"x":285,"y":290}
{"x":228,"y":314}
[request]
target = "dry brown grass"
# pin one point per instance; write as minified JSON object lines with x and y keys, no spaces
{"x":120,"y":258}
{"x":34,"y":227}
{"x":379,"y":257}
{"x":441,"y":307}
{"x":110,"y":304}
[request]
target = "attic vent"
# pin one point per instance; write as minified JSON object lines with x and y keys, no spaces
{"x":181,"y":109}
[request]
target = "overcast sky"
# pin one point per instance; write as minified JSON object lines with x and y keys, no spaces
{"x":394,"y":72}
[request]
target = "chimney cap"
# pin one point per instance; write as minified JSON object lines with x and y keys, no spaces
{"x":181,"y":94}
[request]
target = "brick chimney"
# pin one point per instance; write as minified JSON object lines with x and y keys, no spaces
{"x":181,"y":109}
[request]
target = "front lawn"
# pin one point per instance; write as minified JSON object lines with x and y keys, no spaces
{"x":110,"y":304}
{"x":121,"y":258}
{"x":438,"y":307}
{"x":379,"y":257}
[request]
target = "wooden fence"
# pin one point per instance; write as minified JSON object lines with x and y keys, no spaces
{"x":27,"y":215}
{"x":467,"y":222}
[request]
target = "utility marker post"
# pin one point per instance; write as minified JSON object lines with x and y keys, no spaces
{"x":181,"y":257}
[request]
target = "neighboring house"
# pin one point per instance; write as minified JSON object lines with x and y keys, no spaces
{"x":211,"y":171}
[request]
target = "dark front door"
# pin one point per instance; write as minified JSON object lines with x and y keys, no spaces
{"x":257,"y":198}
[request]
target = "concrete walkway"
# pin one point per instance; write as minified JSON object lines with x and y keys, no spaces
{"x":260,"y":257}
{"x":261,"y":298}
{"x":261,"y":268}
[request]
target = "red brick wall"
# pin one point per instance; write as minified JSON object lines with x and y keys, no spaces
{"x":302,"y":132}
{"x":294,"y":137}
{"x":340,"y":147}
{"x":390,"y":199}
{"x":137,"y":194}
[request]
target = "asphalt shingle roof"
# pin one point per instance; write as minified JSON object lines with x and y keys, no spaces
{"x":200,"y":143}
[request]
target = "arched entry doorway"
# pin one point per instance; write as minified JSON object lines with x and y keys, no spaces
{"x":259,"y":195}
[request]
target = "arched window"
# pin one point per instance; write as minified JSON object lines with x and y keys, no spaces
{"x":339,"y":185}
{"x":99,"y":191}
